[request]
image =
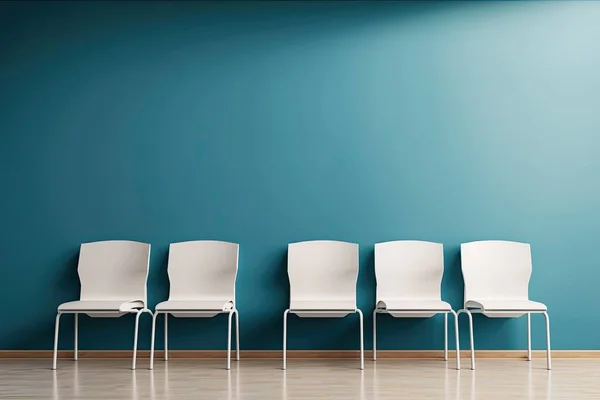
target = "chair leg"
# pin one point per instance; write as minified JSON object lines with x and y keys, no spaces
{"x":152,"y":340}
{"x":56,"y":329}
{"x":135,"y":337}
{"x":456,"y":335}
{"x":465,"y":311}
{"x":548,"y":351}
{"x":237,"y":335}
{"x":528,"y":336}
{"x":445,"y":336}
{"x":76,"y":338}
{"x":471,"y":339}
{"x":229,"y":340}
{"x":375,"y":335}
{"x":166,"y":336}
{"x":362,"y":341}
{"x":285,"y":314}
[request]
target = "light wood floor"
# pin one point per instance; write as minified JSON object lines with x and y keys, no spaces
{"x":570,"y":379}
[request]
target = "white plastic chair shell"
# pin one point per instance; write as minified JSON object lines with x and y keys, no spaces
{"x":409,"y":280}
{"x":113,"y":276}
{"x":323,"y":275}
{"x":202,"y":277}
{"x":496,"y":275}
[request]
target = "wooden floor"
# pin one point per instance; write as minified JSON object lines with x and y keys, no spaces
{"x":570,"y":379}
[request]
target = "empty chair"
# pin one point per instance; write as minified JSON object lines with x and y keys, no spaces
{"x":496,"y":275}
{"x":409,"y":284}
{"x":323,"y":276}
{"x":202,"y":277}
{"x":113,"y":277}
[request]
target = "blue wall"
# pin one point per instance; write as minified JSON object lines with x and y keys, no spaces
{"x":270,"y":123}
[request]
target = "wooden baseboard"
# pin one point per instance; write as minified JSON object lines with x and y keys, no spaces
{"x":299,"y":354}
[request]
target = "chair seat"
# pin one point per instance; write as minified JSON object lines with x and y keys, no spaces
{"x":104,"y":306}
{"x":506,"y":305}
{"x":195,"y":305}
{"x":413,"y":305}
{"x":324,"y":305}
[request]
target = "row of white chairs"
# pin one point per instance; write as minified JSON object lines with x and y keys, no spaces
{"x":323,"y":277}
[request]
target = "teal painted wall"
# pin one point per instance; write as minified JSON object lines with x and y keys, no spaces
{"x":270,"y":123}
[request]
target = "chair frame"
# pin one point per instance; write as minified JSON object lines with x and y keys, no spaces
{"x":230,"y":314}
{"x":137,"y":312}
{"x":416,"y":312}
{"x":356,"y":311}
{"x":470,"y":311}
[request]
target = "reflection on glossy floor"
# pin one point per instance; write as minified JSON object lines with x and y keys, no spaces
{"x":263,"y":379}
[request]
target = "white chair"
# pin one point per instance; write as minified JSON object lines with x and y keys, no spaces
{"x":202,"y":277}
{"x":409,"y":284}
{"x":496,"y":275}
{"x":113,"y":277}
{"x":323,"y":276}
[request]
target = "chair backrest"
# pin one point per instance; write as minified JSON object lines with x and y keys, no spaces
{"x":409,"y":269}
{"x":203,"y":270}
{"x":114,"y":270}
{"x":496,"y":269}
{"x":323,"y":270}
